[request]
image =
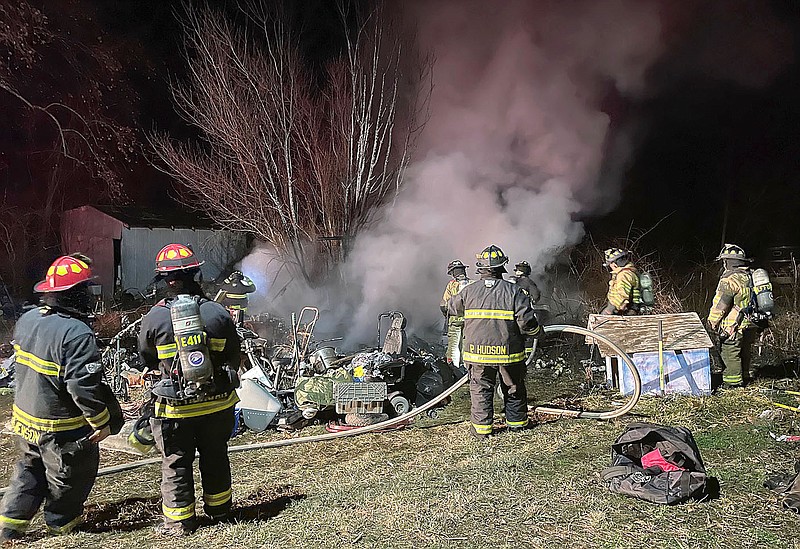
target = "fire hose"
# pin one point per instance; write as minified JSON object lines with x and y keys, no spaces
{"x":558,"y":328}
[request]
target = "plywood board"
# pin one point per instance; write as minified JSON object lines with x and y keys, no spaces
{"x":639,"y":334}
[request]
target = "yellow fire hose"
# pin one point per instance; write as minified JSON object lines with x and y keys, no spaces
{"x":632,"y":400}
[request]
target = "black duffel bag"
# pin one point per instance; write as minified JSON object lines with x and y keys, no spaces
{"x":678,"y":449}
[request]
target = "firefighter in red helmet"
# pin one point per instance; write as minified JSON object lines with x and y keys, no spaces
{"x":184,"y":423}
{"x":62,"y":409}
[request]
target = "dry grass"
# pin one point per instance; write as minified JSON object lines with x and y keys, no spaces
{"x":433,"y":486}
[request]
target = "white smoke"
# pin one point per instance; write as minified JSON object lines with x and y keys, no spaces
{"x":514,"y":144}
{"x":514,"y":148}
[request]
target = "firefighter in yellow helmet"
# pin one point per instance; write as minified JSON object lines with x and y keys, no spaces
{"x":62,"y":409}
{"x":458,"y":271}
{"x":497,"y":318}
{"x":727,"y":316}
{"x":624,"y":290}
{"x":185,"y":422}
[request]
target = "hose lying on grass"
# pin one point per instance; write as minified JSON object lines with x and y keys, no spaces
{"x":558,"y":328}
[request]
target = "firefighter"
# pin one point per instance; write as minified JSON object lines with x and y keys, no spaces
{"x":521,"y":278}
{"x":497,"y":318}
{"x":455,"y":324}
{"x":61,"y":408}
{"x":233,"y":295}
{"x":727,"y":316}
{"x":624,"y":294}
{"x":181,"y":424}
{"x":522,"y":273}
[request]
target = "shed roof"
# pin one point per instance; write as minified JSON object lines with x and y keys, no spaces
{"x":638,"y":334}
{"x":134,"y":216}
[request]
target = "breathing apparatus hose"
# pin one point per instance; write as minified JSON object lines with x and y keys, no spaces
{"x":558,"y":328}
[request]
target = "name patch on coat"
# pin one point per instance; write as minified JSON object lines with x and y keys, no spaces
{"x":488,"y":349}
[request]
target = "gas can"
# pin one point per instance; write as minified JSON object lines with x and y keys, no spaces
{"x":187,"y":325}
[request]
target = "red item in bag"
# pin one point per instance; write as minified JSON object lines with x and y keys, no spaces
{"x":655,"y":459}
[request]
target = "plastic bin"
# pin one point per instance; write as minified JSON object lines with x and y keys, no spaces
{"x":360,"y":398}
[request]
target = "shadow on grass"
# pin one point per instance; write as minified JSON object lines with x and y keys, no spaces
{"x":121,"y":516}
{"x":788,"y":368}
{"x":133,"y":514}
{"x":264,"y":504}
{"x":712,"y":489}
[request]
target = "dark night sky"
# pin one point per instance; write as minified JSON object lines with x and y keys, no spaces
{"x":706,"y":142}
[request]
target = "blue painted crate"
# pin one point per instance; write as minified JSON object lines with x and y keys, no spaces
{"x":687,"y":372}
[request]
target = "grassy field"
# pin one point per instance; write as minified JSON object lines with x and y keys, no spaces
{"x":432,"y":485}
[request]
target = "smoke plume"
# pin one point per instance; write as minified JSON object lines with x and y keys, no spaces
{"x":518,"y":147}
{"x":515,"y":141}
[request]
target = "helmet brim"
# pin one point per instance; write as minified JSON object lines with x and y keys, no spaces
{"x":728,"y":256}
{"x":178,"y":268}
{"x":42,"y":287}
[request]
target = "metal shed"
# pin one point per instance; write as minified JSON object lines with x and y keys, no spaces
{"x":123,"y":242}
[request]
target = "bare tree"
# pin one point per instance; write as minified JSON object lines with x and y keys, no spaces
{"x":296,"y":158}
{"x":63,"y":142}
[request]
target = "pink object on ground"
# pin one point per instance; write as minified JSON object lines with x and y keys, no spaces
{"x":655,"y":459}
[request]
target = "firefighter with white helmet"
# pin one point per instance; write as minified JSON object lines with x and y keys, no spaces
{"x":62,"y":409}
{"x":727,"y":315}
{"x":624,"y":289}
{"x":458,"y":271}
{"x":188,"y":417}
{"x":497,"y":318}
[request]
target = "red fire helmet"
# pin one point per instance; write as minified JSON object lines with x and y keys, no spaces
{"x":176,"y":257}
{"x":63,"y":274}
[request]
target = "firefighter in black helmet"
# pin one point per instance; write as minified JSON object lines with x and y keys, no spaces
{"x":521,"y":278}
{"x":181,"y":424}
{"x":497,"y":319}
{"x":233,"y":294}
{"x":62,"y":409}
{"x":455,"y":324}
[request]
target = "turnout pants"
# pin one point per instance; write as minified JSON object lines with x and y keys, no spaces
{"x":178,"y":440}
{"x":735,"y":353}
{"x":454,"y":338}
{"x":55,"y":472}
{"x":482,"y":382}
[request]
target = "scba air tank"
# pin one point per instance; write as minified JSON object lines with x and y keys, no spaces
{"x":762,"y":290}
{"x":646,"y":289}
{"x":187,"y":325}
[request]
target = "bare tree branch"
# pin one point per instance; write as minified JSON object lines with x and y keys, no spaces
{"x":290,"y":156}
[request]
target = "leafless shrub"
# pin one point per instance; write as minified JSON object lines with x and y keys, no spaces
{"x":301,"y":162}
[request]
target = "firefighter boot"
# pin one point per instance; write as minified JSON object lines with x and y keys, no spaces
{"x":482,"y":435}
{"x":177,"y":529}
